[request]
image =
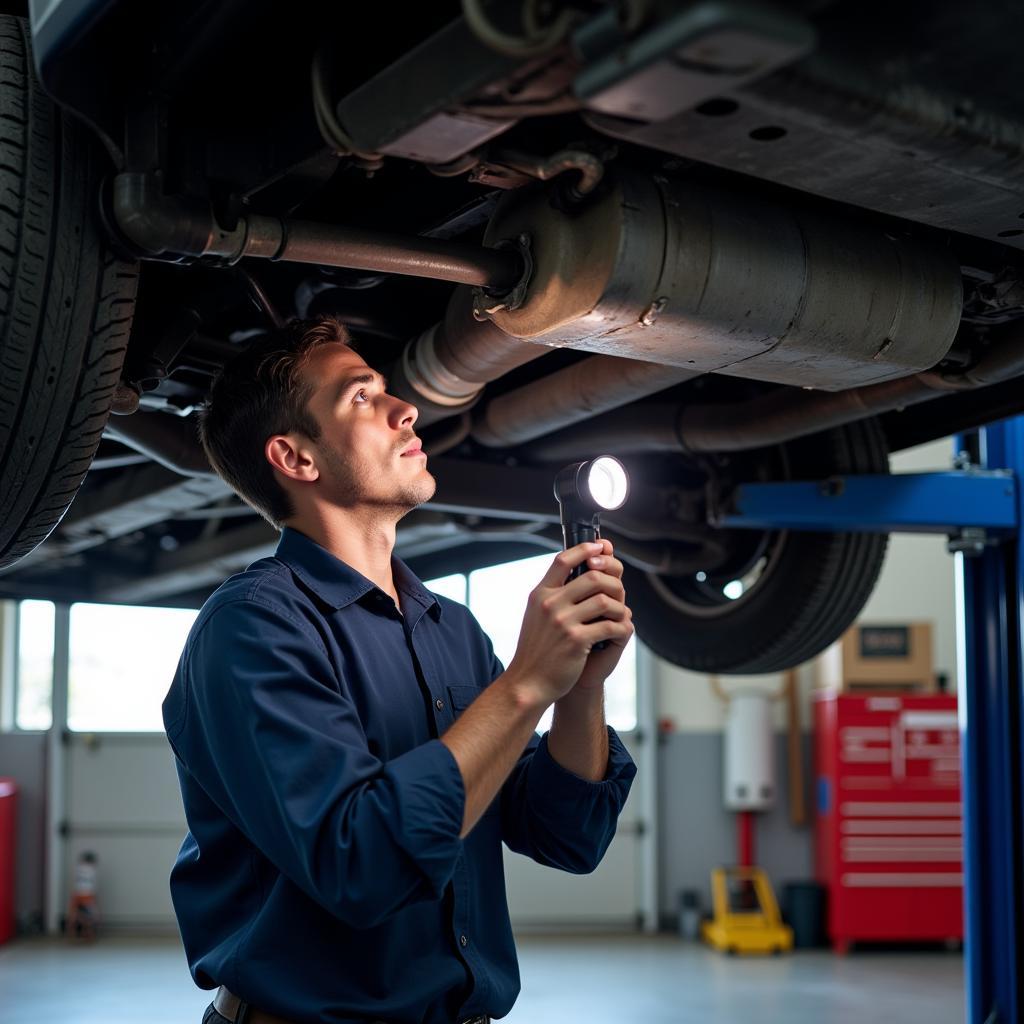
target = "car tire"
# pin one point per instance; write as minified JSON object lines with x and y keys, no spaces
{"x":810,"y":588}
{"x":66,"y":301}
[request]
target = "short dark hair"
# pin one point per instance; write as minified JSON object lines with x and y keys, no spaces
{"x":260,"y":393}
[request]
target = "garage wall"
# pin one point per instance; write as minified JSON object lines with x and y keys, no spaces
{"x":916,"y":584}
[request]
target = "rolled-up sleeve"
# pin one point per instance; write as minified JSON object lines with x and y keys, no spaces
{"x":554,"y":816}
{"x":277,"y":744}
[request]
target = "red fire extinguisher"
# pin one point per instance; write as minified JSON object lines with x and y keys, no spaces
{"x":83,"y":910}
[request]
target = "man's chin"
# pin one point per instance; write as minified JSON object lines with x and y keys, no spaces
{"x":417,"y":492}
{"x":428,"y":488}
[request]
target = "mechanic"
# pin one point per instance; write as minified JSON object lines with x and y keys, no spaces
{"x":350,"y":751}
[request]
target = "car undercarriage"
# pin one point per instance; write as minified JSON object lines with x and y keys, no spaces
{"x":722,"y":241}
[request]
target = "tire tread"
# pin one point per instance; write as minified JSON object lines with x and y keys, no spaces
{"x":66,"y":305}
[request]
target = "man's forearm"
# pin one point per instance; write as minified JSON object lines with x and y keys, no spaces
{"x":578,"y":740}
{"x":489,"y":738}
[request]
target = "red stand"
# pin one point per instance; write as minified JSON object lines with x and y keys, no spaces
{"x":745,"y":838}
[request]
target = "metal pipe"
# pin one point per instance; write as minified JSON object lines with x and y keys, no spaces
{"x":161,"y":226}
{"x":439,"y":259}
{"x":451,"y":438}
{"x":773,"y":418}
{"x":745,"y":838}
{"x":171,"y":441}
{"x":778,"y":417}
{"x":650,"y":427}
{"x":570,"y":395}
{"x":589,"y":167}
{"x":781,"y":415}
{"x":479,"y":350}
{"x":443,"y":371}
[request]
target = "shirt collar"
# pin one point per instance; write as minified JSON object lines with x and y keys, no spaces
{"x":336,"y":583}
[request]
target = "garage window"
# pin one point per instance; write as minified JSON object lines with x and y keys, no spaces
{"x":33,"y":673}
{"x":456,"y":587}
{"x":121,"y":660}
{"x":497,"y":597}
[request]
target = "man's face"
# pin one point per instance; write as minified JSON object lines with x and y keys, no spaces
{"x":363,"y":434}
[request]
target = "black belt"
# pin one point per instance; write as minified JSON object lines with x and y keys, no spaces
{"x":228,"y":1005}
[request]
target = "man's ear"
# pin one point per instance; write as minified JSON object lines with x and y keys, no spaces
{"x":290,"y":455}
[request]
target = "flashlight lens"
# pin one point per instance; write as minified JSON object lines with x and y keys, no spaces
{"x":607,"y":482}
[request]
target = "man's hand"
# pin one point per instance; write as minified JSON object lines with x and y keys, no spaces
{"x":600,"y":664}
{"x":564,"y":620}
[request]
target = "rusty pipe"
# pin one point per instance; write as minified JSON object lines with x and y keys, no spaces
{"x":443,"y":371}
{"x":333,"y":246}
{"x":170,"y":440}
{"x":773,"y":418}
{"x":573,"y":394}
{"x":158,"y":226}
{"x":780,"y":415}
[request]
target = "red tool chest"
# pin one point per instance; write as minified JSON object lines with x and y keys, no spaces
{"x":8,"y":798}
{"x":889,"y":835}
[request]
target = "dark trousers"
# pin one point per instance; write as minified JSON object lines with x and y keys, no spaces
{"x":211,"y":1016}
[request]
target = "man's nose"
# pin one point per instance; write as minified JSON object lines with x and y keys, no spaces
{"x":403,"y":414}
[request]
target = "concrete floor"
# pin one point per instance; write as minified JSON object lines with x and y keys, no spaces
{"x":591,"y":979}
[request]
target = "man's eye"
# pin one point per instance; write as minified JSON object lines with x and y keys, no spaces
{"x":361,"y":391}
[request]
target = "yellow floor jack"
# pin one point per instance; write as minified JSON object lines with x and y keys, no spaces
{"x":747,"y":918}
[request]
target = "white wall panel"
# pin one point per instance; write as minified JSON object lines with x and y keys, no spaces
{"x":123,"y":778}
{"x":123,"y":803}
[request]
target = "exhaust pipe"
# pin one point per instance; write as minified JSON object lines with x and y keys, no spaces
{"x":157,"y":226}
{"x":443,"y":372}
{"x":571,"y":395}
{"x":773,"y":418}
{"x":170,"y":440}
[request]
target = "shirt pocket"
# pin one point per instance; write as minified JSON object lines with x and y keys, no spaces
{"x":461,"y":697}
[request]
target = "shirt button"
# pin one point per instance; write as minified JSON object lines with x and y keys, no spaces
{"x":439,"y":704}
{"x":463,"y":941}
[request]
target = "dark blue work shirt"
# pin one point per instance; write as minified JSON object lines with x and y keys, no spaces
{"x":323,"y":877}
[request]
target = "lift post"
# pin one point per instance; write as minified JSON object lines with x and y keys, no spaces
{"x":980,"y":509}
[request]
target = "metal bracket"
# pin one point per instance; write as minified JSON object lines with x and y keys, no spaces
{"x":970,"y":541}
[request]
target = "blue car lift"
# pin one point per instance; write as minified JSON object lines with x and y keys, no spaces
{"x":979,"y":507}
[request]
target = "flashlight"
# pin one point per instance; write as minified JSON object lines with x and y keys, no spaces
{"x":583,"y":491}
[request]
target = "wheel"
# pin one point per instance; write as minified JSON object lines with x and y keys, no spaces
{"x":66,"y":304}
{"x":781,"y":597}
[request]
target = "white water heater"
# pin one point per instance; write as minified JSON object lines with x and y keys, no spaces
{"x":750,"y":783}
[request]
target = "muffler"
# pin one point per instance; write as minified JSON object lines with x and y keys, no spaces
{"x":685,"y":275}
